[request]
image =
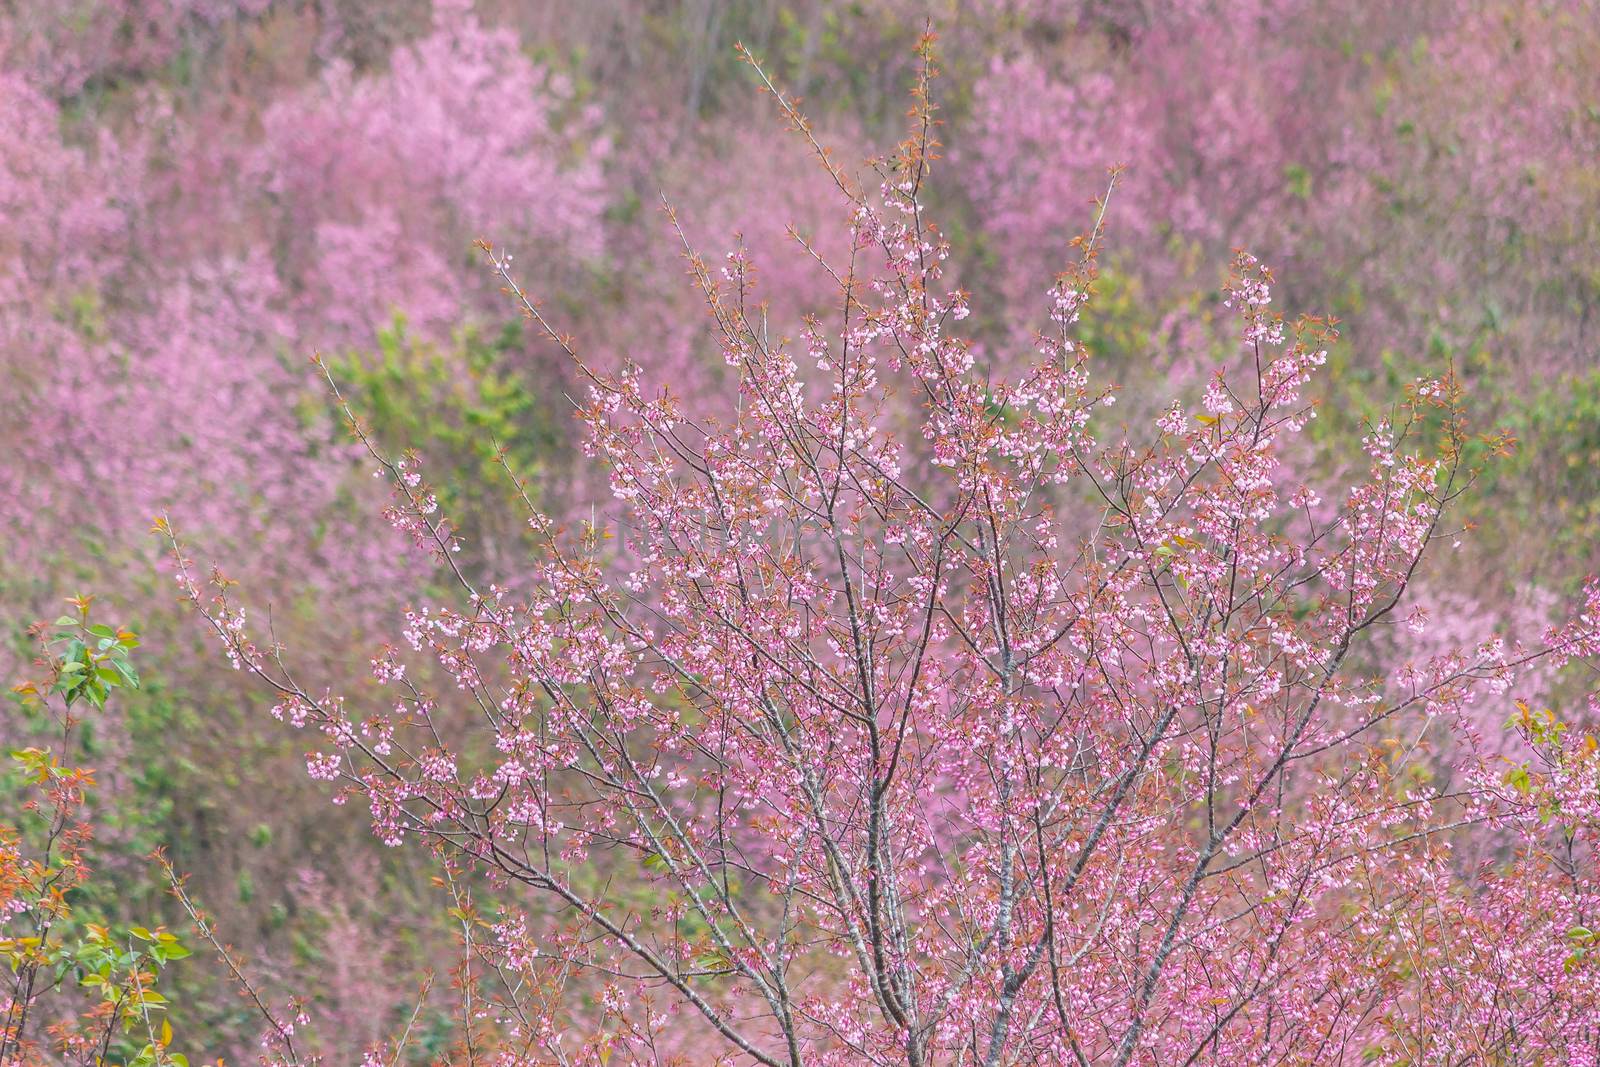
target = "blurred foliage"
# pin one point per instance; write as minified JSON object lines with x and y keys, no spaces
{"x":462,"y":405}
{"x":80,"y":983}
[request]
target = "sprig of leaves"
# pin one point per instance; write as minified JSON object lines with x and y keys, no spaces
{"x":93,"y":657}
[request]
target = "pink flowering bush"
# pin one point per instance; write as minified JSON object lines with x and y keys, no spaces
{"x":865,"y":745}
{"x":1213,"y":162}
{"x":174,"y":252}
{"x":1397,"y":159}
{"x":385,"y":181}
{"x":69,"y":48}
{"x":136,"y":320}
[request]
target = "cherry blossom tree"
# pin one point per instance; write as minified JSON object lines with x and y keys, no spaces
{"x":915,"y":713}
